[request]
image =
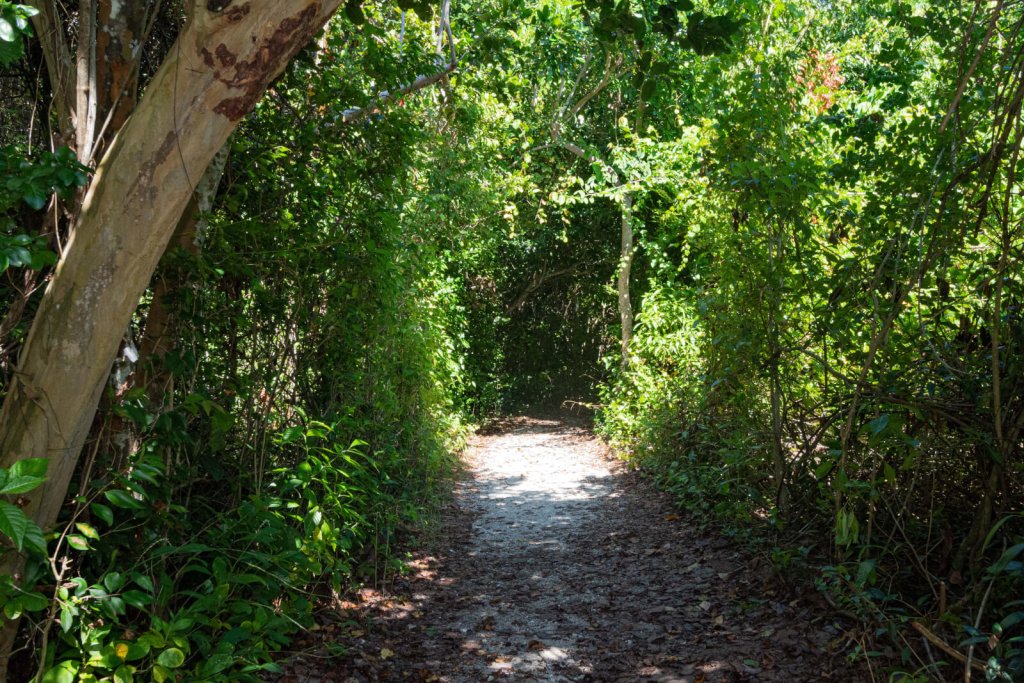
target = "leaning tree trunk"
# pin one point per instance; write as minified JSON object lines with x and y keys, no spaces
{"x":213,"y":75}
{"x":625,"y":265}
{"x":151,"y":373}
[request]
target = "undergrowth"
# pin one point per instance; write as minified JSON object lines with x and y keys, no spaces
{"x":137,"y":586}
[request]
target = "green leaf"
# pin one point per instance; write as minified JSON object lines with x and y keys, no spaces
{"x":30,"y":467}
{"x":24,"y":475}
{"x":113,"y":606}
{"x":113,"y":581}
{"x":137,"y":650}
{"x":354,"y":12}
{"x":823,"y":468}
{"x":35,"y":601}
{"x":20,"y":484}
{"x":65,"y":672}
{"x":34,"y":540}
{"x":1006,"y":558}
{"x":1008,"y":622}
{"x":10,"y":52}
{"x":36,"y":200}
{"x":41,"y":259}
{"x":7,"y":31}
{"x":137,"y":599}
{"x":67,"y":619}
{"x":12,"y":609}
{"x":87,"y":530}
{"x":123,"y":674}
{"x":215,"y":664}
{"x":291,"y":435}
{"x":122,"y":499}
{"x":103,"y":512}
{"x":14,"y":524}
{"x":171,"y":658}
{"x":25,"y":602}
{"x":152,"y":640}
{"x":878,"y":425}
{"x":143,"y":581}
{"x":78,"y":542}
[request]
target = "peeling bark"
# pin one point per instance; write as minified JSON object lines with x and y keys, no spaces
{"x":139,"y":192}
{"x":156,"y":342}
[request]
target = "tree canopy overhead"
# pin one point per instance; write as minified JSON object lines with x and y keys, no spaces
{"x":265,"y":265}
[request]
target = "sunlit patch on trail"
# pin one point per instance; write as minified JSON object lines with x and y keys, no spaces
{"x":562,"y":566}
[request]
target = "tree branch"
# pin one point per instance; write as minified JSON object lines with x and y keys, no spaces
{"x":57,"y":56}
{"x":609,"y":75}
{"x":386,"y":97}
{"x":536,"y":282}
{"x":86,"y":86}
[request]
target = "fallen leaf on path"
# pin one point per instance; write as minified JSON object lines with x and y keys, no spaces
{"x":385,"y":653}
{"x":536,"y":645}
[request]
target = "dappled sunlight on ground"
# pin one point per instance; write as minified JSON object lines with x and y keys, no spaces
{"x":558,"y":565}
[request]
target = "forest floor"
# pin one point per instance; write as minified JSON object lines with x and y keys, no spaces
{"x":556,"y":563}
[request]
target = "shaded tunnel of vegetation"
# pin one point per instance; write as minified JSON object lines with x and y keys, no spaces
{"x":776,"y":246}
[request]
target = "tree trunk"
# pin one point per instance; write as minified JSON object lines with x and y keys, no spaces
{"x":625,"y":265}
{"x":151,"y":372}
{"x":214,"y":74}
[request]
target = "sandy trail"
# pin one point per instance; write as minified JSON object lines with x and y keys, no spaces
{"x":560,"y":566}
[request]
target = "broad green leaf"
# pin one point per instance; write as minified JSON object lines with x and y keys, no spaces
{"x":137,"y":599}
{"x":66,"y":618}
{"x":143,"y":582}
{"x":78,"y":542}
{"x":30,"y":467}
{"x":122,"y":499}
{"x":171,"y":658}
{"x":7,"y":32}
{"x":87,"y":530}
{"x":16,"y":484}
{"x":33,"y":602}
{"x":113,"y":581}
{"x":103,"y":512}
{"x":216,"y":664}
{"x":14,"y":524}
{"x":65,"y":672}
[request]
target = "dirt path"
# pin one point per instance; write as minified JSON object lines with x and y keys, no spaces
{"x":560,"y":566}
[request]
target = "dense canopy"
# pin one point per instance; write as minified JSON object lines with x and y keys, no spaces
{"x":264,"y":266}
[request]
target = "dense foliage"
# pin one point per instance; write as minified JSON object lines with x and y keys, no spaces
{"x":439,"y":212}
{"x":296,"y":398}
{"x":830,"y":336}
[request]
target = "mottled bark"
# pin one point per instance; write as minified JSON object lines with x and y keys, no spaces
{"x":214,"y":75}
{"x":151,"y":373}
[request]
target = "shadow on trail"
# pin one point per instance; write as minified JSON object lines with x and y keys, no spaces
{"x":561,"y":566}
